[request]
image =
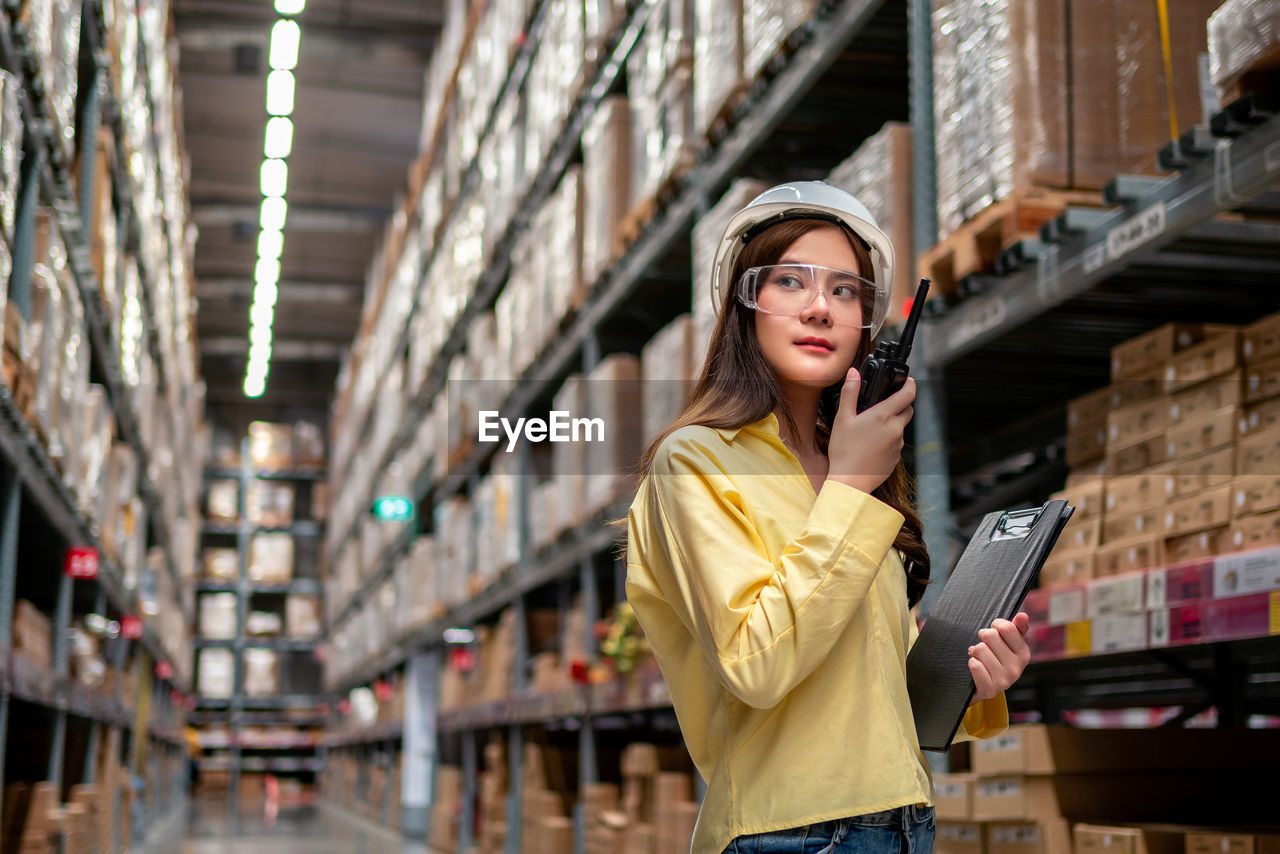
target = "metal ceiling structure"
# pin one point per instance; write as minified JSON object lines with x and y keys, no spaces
{"x":357,"y":119}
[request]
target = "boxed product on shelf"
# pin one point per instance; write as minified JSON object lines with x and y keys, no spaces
{"x":1197,"y":544}
{"x":218,"y":615}
{"x":32,"y":634}
{"x":1260,"y":341}
{"x":263,"y":623}
{"x":1242,"y":39}
{"x":953,"y":796}
{"x":271,"y":445}
{"x":667,"y":374}
{"x":308,"y":444}
{"x":1198,"y":512}
{"x":959,"y":837}
{"x":766,"y":26}
{"x":270,"y":559}
{"x":446,"y":807}
{"x":261,"y":672}
{"x":454,"y":545}
{"x":659,"y":85}
{"x":1139,"y":356}
{"x":718,"y":60}
{"x":215,"y":673}
{"x":606,"y":184}
{"x":302,"y":616}
{"x":706,"y":235}
{"x":223,"y":503}
{"x":11,"y":131}
{"x":269,"y":503}
{"x":1068,"y":567}
{"x":1217,"y":355}
{"x":1262,"y":381}
{"x":613,"y":394}
{"x":221,"y":564}
{"x":1141,"y":552}
{"x":1206,"y":398}
{"x":878,"y":174}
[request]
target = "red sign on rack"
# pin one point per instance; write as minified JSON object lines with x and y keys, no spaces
{"x":164,"y":670}
{"x":131,"y":628}
{"x":382,"y":691}
{"x":82,"y":563}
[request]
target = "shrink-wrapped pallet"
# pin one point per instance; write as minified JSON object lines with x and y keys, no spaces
{"x":1243,"y":35}
{"x":606,"y":184}
{"x":717,"y":58}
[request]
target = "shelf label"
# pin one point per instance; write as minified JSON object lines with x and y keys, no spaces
{"x":1094,"y":257}
{"x":1128,"y":236}
{"x":82,"y":563}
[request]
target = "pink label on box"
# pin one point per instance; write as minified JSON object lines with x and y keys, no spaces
{"x":1047,"y":642}
{"x":1241,"y":617}
{"x":1188,"y":583}
{"x":1186,"y":624}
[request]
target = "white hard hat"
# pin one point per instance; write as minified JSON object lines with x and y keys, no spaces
{"x":803,"y":200}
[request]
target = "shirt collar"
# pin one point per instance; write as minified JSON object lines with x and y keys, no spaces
{"x":767,"y":425}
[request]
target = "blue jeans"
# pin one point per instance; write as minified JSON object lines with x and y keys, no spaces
{"x":903,"y":830}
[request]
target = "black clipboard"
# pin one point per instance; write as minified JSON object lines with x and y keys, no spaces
{"x":990,"y":581}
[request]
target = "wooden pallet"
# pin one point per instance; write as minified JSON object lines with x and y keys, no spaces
{"x":723,"y":121}
{"x":975,"y":245}
{"x":634,"y":223}
{"x":1262,"y":77}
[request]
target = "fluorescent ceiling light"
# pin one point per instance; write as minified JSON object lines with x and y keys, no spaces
{"x":280,"y":93}
{"x":286,"y":35}
{"x":265,"y":293}
{"x":279,"y":137}
{"x":290,"y":7}
{"x":275,"y":211}
{"x":271,"y":244}
{"x":259,"y":358}
{"x":261,"y":316}
{"x":274,"y":178}
{"x":267,"y":272}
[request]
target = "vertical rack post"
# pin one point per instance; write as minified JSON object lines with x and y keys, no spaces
{"x":422,"y":678}
{"x":61,"y":649}
{"x":465,"y":836}
{"x":10,"y":505}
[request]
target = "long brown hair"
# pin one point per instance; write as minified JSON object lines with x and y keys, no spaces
{"x":738,"y":386}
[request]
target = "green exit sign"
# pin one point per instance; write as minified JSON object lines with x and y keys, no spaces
{"x":393,"y":508}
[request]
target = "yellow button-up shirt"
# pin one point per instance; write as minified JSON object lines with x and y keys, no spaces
{"x":779,"y":618}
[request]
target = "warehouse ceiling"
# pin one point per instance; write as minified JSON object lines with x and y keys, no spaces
{"x":357,"y":119}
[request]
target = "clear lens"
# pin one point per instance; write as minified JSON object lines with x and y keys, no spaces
{"x":789,"y":289}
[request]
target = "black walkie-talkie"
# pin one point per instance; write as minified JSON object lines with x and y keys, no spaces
{"x":885,"y":371}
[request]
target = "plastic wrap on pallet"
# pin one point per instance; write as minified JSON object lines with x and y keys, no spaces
{"x":659,"y":84}
{"x":454,"y":553}
{"x":1000,"y":102}
{"x":73,"y":386}
{"x":10,"y":152}
{"x":261,"y":672}
{"x":667,"y":371}
{"x":717,"y":58}
{"x":270,"y":558}
{"x":706,"y":234}
{"x":766,"y":25}
{"x":215,"y":673}
{"x":1120,"y":92}
{"x":1241,"y":32}
{"x":613,"y":395}
{"x":563,"y":249}
{"x":878,"y":174}
{"x":218,"y":615}
{"x":606,"y":184}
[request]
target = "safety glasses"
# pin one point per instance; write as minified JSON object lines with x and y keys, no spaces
{"x":790,"y":289}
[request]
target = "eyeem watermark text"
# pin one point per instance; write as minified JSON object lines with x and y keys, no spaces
{"x":558,"y":428}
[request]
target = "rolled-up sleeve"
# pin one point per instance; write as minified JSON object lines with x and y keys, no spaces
{"x":764,"y":623}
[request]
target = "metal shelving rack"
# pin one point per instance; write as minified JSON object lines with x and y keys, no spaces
{"x":241,"y":710}
{"x":34,"y":497}
{"x":1096,"y":275}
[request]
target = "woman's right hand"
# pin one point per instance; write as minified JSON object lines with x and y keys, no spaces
{"x":865,"y":447}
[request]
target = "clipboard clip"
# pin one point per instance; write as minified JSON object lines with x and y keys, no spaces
{"x":1016,"y":524}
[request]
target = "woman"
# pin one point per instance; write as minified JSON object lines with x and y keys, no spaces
{"x":774,"y":553}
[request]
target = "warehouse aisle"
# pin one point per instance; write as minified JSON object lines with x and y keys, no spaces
{"x":208,"y":829}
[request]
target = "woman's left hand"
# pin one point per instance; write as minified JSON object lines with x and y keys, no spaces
{"x":1000,"y":656}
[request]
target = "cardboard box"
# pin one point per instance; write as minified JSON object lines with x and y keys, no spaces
{"x":1259,"y":453}
{"x":1041,"y":837}
{"x":1255,"y":493}
{"x":1251,"y":572}
{"x":1118,"y":633}
{"x":1082,"y":534}
{"x":1067,"y":568}
{"x":1079,"y":638}
{"x":1200,"y":400}
{"x":271,"y":445}
{"x":1176,"y":626}
{"x":1146,"y":353}
{"x":1066,"y":605}
{"x":33,"y":634}
{"x":1206,"y":433}
{"x":1198,"y":842}
{"x":1118,"y":527}
{"x":1131,"y":424}
{"x":1105,"y":839}
{"x":1179,"y":585}
{"x":1090,"y":408}
{"x":1015,"y":798}
{"x":1261,"y":340}
{"x":1261,"y":380}
{"x":668,"y":373}
{"x":1130,"y":556}
{"x":1086,"y":442}
{"x":1249,"y":533}
{"x":1198,"y":512}
{"x":959,"y":837}
{"x":1259,"y":417}
{"x":1088,"y":497}
{"x":613,"y":393}
{"x":1196,"y":545}
{"x":1211,"y":358}
{"x":1127,"y":494}
{"x":223,"y":502}
{"x":1252,"y":616}
{"x":1199,"y":474}
{"x":1136,"y":457}
{"x":953,"y":796}
{"x":1120,"y":594}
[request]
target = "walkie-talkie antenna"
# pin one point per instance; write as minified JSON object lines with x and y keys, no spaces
{"x":909,"y":329}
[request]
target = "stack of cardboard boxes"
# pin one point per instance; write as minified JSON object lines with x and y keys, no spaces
{"x":547,"y":791}
{"x":446,"y":808}
{"x":1027,"y":786}
{"x":491,"y":837}
{"x":1173,"y":473}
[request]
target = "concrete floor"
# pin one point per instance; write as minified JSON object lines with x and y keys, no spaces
{"x":205,"y":827}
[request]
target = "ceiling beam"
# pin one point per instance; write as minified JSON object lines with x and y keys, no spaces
{"x":288,"y":291}
{"x":281,"y":351}
{"x":307,"y":218}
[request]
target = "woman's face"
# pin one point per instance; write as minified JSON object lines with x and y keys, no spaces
{"x":808,"y":348}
